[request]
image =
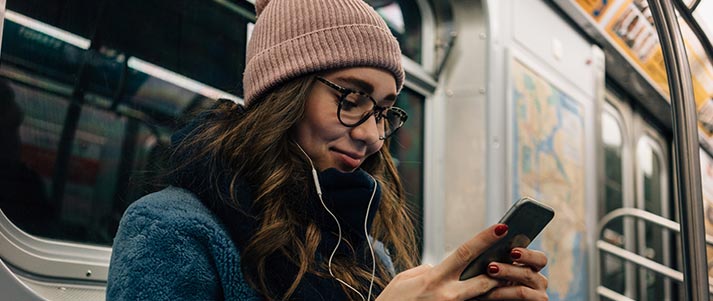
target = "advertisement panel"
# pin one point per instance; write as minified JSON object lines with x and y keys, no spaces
{"x":629,"y":24}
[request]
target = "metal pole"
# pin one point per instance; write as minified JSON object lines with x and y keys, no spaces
{"x":686,"y":150}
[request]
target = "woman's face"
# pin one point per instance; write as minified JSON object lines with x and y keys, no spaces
{"x":327,"y":141}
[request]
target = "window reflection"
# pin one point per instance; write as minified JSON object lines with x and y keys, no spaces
{"x":391,"y":13}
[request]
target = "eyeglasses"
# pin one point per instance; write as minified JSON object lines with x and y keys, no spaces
{"x":355,"y":107}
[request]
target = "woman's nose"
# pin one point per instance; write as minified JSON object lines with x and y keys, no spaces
{"x":368,"y":131}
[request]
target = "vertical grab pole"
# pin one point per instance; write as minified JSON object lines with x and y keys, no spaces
{"x":686,"y":150}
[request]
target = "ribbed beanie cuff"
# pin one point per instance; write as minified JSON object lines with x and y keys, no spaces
{"x":279,"y":52}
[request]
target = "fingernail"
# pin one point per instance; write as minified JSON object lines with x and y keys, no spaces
{"x":515,"y":254}
{"x":493,"y":269}
{"x":501,"y":229}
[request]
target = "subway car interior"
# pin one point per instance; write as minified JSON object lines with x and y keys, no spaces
{"x":566,"y":101}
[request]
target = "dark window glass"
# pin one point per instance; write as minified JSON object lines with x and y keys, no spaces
{"x":407,"y":149}
{"x":79,"y":17}
{"x":196,"y":38}
{"x":29,"y":135}
{"x":202,"y":40}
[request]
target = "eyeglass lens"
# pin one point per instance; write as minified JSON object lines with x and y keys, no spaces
{"x":356,"y":107}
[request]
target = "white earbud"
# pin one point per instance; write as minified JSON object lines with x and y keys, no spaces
{"x":339,"y":229}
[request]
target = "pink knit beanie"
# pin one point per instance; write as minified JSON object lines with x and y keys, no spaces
{"x":296,"y":37}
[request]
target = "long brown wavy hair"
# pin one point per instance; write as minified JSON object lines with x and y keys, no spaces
{"x":254,"y":144}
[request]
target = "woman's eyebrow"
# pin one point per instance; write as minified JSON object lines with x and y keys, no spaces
{"x":388,"y":100}
{"x":363,"y":86}
{"x":357,"y":83}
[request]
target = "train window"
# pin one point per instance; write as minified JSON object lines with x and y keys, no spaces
{"x":613,"y":273}
{"x":651,"y":238}
{"x":100,"y":88}
{"x":613,"y":150}
{"x":80,"y":203}
{"x":649,"y":165}
{"x":407,"y":149}
{"x":404,"y":20}
{"x":94,"y":115}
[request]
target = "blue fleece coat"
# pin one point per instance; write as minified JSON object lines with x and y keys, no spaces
{"x":169,"y":246}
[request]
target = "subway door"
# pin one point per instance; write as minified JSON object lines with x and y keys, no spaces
{"x":553,"y":80}
{"x":635,"y":175}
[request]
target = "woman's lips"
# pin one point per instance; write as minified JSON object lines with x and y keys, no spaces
{"x":348,"y":160}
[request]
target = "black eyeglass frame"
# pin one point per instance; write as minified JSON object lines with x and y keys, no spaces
{"x":377,"y":110}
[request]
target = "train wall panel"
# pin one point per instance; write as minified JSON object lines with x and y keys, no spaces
{"x":464,"y":97}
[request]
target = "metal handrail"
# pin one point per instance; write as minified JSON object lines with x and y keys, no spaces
{"x":603,"y":291}
{"x":687,"y":166}
{"x":647,"y":216}
{"x":632,"y":257}
{"x":640,"y":261}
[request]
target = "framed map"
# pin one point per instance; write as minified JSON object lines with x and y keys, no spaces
{"x":548,"y":164}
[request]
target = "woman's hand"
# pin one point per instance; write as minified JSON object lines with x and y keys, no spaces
{"x":523,"y":280}
{"x":441,"y":282}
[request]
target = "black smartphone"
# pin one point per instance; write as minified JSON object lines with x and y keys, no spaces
{"x":525,"y":219}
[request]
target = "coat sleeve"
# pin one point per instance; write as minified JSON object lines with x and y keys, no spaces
{"x":383,"y":254}
{"x":157,"y":257}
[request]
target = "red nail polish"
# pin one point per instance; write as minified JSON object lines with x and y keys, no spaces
{"x":515,"y":254}
{"x":501,"y":229}
{"x":493,"y":269}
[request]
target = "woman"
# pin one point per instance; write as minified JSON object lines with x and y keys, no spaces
{"x":295,"y":195}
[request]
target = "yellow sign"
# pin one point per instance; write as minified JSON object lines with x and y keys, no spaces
{"x":631,"y":28}
{"x":633,"y":31}
{"x":595,"y":8}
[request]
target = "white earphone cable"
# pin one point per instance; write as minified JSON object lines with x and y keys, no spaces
{"x":339,"y":230}
{"x":368,"y":240}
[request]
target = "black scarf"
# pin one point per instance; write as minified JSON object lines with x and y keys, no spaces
{"x":347,"y":195}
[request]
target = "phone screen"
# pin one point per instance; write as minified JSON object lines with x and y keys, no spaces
{"x":525,"y":220}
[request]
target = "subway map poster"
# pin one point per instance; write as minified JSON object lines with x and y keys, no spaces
{"x":548,"y":162}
